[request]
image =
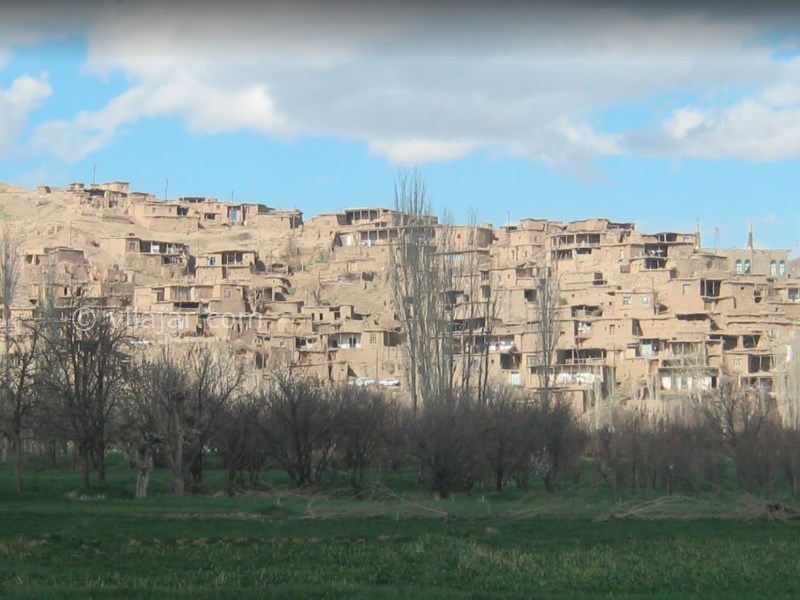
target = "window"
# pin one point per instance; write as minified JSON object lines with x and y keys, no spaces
{"x":212,"y":260}
{"x":773,"y":268}
{"x":739,"y":267}
{"x":782,"y":268}
{"x":373,"y":338}
{"x":747,"y":266}
{"x":645,"y":300}
{"x":686,"y":288}
{"x":626,"y":301}
{"x":227,"y":292}
{"x":709,"y":287}
{"x":612,"y":328}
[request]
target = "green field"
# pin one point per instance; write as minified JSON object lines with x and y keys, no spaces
{"x":56,"y":542}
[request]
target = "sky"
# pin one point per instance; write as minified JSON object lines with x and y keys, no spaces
{"x":662,"y":115}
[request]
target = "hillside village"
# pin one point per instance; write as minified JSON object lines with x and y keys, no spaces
{"x":643,"y":317}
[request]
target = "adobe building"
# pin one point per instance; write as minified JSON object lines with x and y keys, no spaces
{"x":642,"y":319}
{"x":161,"y":216}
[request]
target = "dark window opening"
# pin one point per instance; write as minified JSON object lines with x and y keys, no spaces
{"x":710,"y":287}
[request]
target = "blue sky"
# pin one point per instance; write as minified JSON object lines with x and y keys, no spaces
{"x":660,"y":117}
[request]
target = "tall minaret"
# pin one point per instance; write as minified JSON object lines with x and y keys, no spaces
{"x":750,"y":235}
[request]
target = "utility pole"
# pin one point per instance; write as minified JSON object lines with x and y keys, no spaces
{"x":94,"y":173}
{"x":697,"y":237}
{"x":166,"y":188}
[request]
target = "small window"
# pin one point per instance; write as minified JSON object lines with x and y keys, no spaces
{"x":747,"y":266}
{"x":212,"y":260}
{"x":227,"y":292}
{"x":626,"y":301}
{"x":686,"y":288}
{"x":782,"y":268}
{"x":373,"y":338}
{"x":645,"y":300}
{"x":739,"y":267}
{"x":773,"y":268}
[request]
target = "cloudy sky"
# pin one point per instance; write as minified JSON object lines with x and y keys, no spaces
{"x":658,"y":115}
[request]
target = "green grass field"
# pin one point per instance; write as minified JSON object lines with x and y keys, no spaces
{"x":55,"y":542}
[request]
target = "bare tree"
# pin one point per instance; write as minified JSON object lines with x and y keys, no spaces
{"x":423,"y":279}
{"x":17,"y":361}
{"x":151,"y":419}
{"x":508,"y":430}
{"x":561,"y":440}
{"x":9,"y":275}
{"x":216,"y":379}
{"x":365,"y":419}
{"x":546,"y":305}
{"x":448,"y":434}
{"x":746,"y":424}
{"x":476,"y":315}
{"x":241,"y":445}
{"x":17,"y":396}
{"x":155,"y":420}
{"x":301,"y":426}
{"x":177,"y":400}
{"x":83,"y":364}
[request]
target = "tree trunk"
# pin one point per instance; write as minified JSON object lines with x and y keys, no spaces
{"x":100,"y":464}
{"x":18,"y":463}
{"x":498,"y":479}
{"x":550,"y":481}
{"x":176,"y":458}
{"x":230,"y":484}
{"x":178,"y":476}
{"x":196,"y":471}
{"x":83,"y":459}
{"x":144,"y":462}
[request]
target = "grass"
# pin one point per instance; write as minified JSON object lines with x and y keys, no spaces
{"x":58,"y":542}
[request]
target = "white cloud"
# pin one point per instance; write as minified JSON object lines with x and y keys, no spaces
{"x":583,"y":136}
{"x":764,"y":128}
{"x":410,"y":152}
{"x":207,"y":110}
{"x":684,"y":121}
{"x":422,"y":83}
{"x":25,"y":95}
